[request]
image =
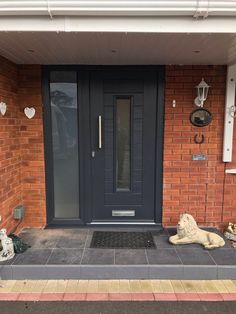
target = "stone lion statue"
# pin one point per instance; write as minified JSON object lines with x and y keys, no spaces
{"x":7,"y":251}
{"x":189,"y":232}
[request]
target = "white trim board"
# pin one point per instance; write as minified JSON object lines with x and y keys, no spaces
{"x":132,"y":24}
{"x":229,"y":120}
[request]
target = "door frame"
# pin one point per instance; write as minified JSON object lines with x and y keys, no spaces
{"x":84,"y":133}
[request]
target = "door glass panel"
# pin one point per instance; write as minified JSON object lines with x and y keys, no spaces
{"x":123,"y":107}
{"x":63,"y":95}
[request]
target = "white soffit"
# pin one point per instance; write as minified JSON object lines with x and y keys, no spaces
{"x":117,"y":48}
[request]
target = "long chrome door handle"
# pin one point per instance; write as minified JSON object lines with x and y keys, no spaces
{"x":100,"y":132}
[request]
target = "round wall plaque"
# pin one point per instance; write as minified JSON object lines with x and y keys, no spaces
{"x":200,"y":117}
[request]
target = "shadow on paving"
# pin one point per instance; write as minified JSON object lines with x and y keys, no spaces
{"x":117,"y":307}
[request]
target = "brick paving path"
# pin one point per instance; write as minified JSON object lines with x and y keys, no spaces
{"x":118,"y":290}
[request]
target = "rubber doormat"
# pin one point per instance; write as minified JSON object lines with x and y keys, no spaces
{"x":122,"y":240}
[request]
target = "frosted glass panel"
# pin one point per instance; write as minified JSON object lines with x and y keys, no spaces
{"x":123,"y":144}
{"x":63,"y":93}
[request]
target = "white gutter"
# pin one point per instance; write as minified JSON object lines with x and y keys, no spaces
{"x":195,"y":8}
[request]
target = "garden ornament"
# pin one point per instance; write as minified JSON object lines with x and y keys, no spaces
{"x":189,"y":232}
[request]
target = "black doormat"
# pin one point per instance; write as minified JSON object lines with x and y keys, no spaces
{"x":122,"y":240}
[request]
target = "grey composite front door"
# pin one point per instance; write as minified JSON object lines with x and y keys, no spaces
{"x":123,"y":137}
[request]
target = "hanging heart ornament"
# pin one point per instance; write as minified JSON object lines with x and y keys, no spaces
{"x":29,"y":112}
{"x":3,"y":108}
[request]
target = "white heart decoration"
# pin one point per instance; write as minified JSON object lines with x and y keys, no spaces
{"x":3,"y":108}
{"x":29,"y":112}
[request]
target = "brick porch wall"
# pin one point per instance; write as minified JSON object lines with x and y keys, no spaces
{"x":10,"y":152}
{"x":200,"y":188}
{"x":21,"y":146}
{"x":32,"y":146}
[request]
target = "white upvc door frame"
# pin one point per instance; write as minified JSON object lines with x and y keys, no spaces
{"x":229,"y":113}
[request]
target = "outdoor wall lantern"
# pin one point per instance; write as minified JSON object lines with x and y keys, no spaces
{"x":3,"y":108}
{"x":202,"y":91}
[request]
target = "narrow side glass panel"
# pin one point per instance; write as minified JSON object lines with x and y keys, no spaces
{"x":63,"y":94}
{"x":123,"y":107}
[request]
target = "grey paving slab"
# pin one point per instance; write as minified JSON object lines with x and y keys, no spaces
{"x":32,"y":231}
{"x":195,"y":257}
{"x":166,"y":272}
{"x":65,"y":257}
{"x":98,"y":256}
{"x":53,"y":232}
{"x":63,"y":272}
{"x":226,"y":272}
{"x":126,"y":229}
{"x":33,"y":257}
{"x":130,"y":257}
{"x":88,"y":240}
{"x":5,"y":272}
{"x":163,"y":257}
{"x":46,"y":242}
{"x":29,"y":272}
{"x":40,"y":240}
{"x":224,"y":256}
{"x":199,"y":272}
{"x":73,"y":241}
{"x":98,"y":272}
{"x":132,"y":271}
{"x":160,"y":232}
{"x":75,"y":231}
{"x":162,"y":242}
{"x":68,"y":256}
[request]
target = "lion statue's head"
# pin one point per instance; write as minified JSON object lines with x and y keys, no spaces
{"x":186,"y":225}
{"x":3,"y":234}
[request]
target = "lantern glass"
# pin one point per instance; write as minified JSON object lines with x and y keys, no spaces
{"x":202,"y":91}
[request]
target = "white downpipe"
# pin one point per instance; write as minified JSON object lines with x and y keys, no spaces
{"x":195,"y":8}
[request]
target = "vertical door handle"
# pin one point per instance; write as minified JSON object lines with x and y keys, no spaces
{"x":100,"y":132}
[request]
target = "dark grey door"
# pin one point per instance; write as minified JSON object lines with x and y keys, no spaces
{"x":123,"y":123}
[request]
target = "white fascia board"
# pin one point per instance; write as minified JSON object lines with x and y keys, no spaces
{"x":229,"y":119}
{"x":118,"y":7}
{"x":119,"y":24}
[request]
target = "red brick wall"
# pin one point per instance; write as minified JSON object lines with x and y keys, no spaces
{"x":21,"y":146}
{"x":10,"y":156}
{"x":196,"y":187}
{"x":32,"y":146}
{"x":199,"y":187}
